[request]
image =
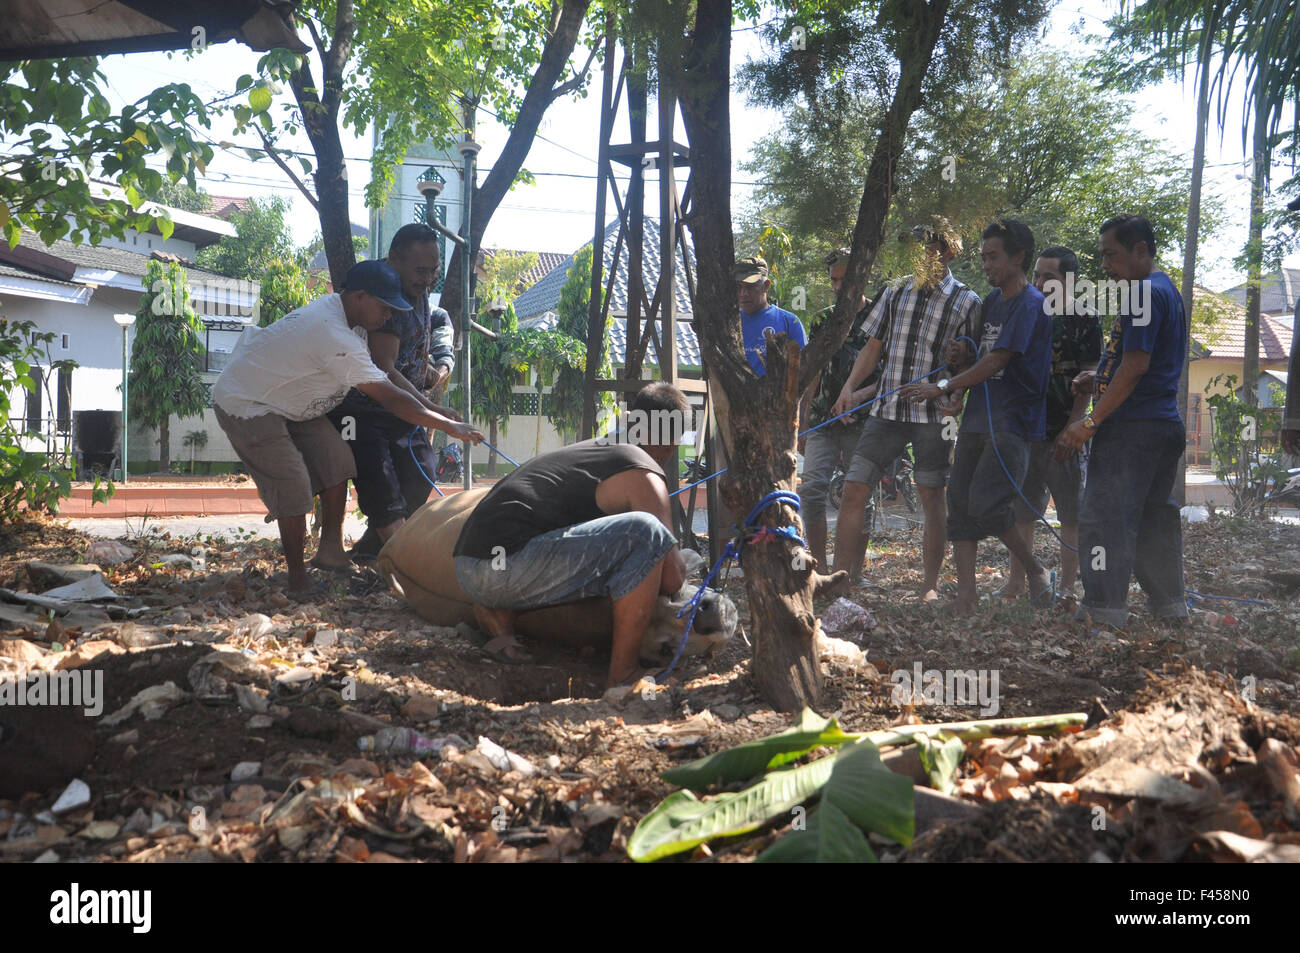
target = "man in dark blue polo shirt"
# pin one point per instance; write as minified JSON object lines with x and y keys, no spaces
{"x":1129,"y":524}
{"x":1001,"y":421}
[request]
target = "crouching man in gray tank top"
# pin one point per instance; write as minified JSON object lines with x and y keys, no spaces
{"x":591,"y":519}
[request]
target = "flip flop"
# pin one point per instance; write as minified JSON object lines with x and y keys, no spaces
{"x":499,"y":654}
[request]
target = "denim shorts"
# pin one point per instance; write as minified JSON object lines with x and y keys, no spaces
{"x":883,"y":440}
{"x":609,"y":556}
{"x":1063,"y":479}
{"x":981,"y":492}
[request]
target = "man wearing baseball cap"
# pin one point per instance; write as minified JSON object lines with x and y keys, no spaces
{"x":272,"y":398}
{"x":757,"y":316}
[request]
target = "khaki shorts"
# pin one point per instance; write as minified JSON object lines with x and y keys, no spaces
{"x":290,"y":461}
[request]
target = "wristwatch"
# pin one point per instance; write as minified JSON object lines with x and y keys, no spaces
{"x":943,"y":386}
{"x":1089,"y":423}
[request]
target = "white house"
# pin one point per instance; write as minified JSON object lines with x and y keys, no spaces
{"x":73,"y":291}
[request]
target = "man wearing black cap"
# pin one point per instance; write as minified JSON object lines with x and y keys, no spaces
{"x":272,"y":398}
{"x":395,"y":461}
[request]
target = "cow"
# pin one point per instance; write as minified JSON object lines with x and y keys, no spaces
{"x":417,"y":562}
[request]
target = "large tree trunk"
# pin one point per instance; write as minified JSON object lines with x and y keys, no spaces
{"x":1255,"y":250}
{"x":542,"y":91}
{"x":757,"y":415}
{"x":1189,"y":261}
{"x":165,"y":445}
{"x":320,"y":114}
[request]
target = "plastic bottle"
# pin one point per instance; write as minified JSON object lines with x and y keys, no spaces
{"x":396,"y":739}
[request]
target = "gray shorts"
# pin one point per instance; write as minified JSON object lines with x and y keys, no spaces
{"x":291,"y":461}
{"x":609,"y":556}
{"x":826,"y":449}
{"x":883,"y":440}
{"x":981,"y":491}
{"x":1063,"y":480}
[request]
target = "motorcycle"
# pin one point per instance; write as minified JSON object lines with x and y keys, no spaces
{"x":451,"y":467}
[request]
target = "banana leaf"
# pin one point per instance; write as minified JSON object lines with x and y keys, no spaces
{"x":868,"y":793}
{"x":754,"y":757}
{"x":940,"y":760}
{"x":831,"y":838}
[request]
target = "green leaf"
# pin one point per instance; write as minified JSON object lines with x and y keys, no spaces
{"x":259,"y":99}
{"x":754,"y":757}
{"x":242,"y":115}
{"x":683,"y":822}
{"x":940,"y":760}
{"x":830,"y":838}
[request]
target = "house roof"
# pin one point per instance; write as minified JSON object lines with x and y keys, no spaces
{"x":224,"y":206}
{"x":1278,"y":292}
{"x":547,"y":261}
{"x":688,"y":345}
{"x":1229,"y":343}
{"x":46,"y":29}
{"x":545,"y":294}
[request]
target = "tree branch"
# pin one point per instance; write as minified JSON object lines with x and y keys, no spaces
{"x":270,"y":150}
{"x":580,"y":77}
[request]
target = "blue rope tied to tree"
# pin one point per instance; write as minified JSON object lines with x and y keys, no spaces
{"x":757,"y":534}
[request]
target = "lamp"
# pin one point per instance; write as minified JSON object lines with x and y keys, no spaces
{"x":124,"y":321}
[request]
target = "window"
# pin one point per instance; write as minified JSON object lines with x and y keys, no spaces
{"x":64,"y":342}
{"x":64,"y":399}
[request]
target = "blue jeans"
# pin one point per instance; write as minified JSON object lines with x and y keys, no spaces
{"x":1130,"y":523}
{"x":609,"y":556}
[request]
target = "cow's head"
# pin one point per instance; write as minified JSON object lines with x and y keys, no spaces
{"x":715,"y":621}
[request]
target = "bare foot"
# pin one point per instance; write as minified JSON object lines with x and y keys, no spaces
{"x":331,"y":562}
{"x":964,"y":606}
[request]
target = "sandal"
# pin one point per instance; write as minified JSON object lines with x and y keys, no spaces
{"x":500,"y":653}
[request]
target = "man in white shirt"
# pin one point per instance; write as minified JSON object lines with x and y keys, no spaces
{"x":272,"y":398}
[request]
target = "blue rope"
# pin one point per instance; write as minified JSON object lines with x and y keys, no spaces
{"x":1200,"y":595}
{"x":824,"y":423}
{"x":731,"y":551}
{"x":410,"y":444}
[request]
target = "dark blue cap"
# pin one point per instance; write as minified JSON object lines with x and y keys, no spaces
{"x":380,"y":279}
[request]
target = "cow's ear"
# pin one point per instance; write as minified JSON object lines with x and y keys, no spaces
{"x":693,"y":560}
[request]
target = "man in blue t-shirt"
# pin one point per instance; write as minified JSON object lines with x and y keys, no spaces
{"x":1129,"y":524}
{"x":757,"y":316}
{"x":1013,"y":338}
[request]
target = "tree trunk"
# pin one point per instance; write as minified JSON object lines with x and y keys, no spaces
{"x":165,"y":445}
{"x":320,"y":114}
{"x":1255,"y":250}
{"x":756,"y":415}
{"x":1189,"y":261}
{"x":542,"y":91}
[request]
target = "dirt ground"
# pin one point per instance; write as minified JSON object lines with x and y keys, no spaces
{"x":292,"y":691}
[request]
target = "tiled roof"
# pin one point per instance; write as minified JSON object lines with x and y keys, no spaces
{"x":545,"y":294}
{"x":17,"y":271}
{"x":1229,"y":342}
{"x":113,"y":259}
{"x":223,"y":206}
{"x":688,"y":345}
{"x":1278,"y":292}
{"x":547,"y":261}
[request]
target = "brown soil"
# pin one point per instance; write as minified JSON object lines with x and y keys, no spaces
{"x":602,"y":776}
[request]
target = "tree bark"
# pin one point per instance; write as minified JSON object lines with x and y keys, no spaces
{"x":320,"y":114}
{"x":1255,"y":250}
{"x":165,"y":445}
{"x":1189,"y":255}
{"x":542,"y":91}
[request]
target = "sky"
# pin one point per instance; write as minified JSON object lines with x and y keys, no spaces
{"x":557,"y":214}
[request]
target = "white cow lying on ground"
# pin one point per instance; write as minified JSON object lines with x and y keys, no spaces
{"x":417,"y":562}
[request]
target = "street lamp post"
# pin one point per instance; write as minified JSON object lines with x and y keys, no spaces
{"x":124,"y":321}
{"x":469,"y":150}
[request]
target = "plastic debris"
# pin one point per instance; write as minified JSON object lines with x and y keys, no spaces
{"x":847,"y":619}
{"x":108,"y":551}
{"x":396,"y":740}
{"x":325,"y":638}
{"x":1194,"y":514}
{"x":152,"y":702}
{"x":252,"y":626}
{"x":75,"y":795}
{"x":245,"y":770}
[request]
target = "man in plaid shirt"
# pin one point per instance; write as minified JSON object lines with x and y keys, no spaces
{"x":911,"y":325}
